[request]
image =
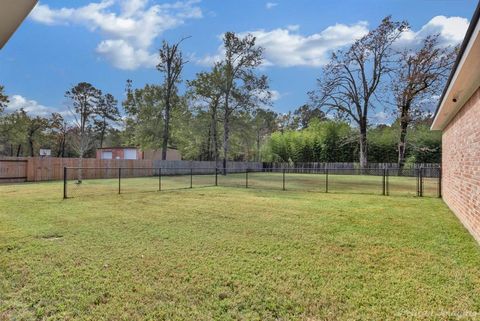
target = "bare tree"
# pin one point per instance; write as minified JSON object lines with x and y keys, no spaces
{"x":241,"y":87}
{"x":420,"y":74}
{"x":352,"y":77}
{"x":84,"y":99}
{"x":171,"y":65}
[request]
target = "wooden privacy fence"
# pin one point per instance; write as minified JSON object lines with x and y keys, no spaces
{"x":34,"y":169}
{"x":13,"y":170}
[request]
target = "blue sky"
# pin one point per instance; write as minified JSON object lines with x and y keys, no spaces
{"x":106,"y":42}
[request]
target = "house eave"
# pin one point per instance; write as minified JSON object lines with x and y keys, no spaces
{"x":464,"y":79}
{"x":12,"y":13}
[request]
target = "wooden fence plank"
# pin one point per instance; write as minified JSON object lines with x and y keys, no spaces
{"x":51,"y":168}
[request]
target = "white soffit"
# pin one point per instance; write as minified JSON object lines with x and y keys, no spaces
{"x":464,"y":83}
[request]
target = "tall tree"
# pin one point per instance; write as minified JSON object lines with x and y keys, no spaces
{"x":144,"y":108}
{"x":304,"y":114}
{"x":242,"y":88}
{"x":264,"y":124}
{"x":84,"y":99}
{"x":59,"y":128}
{"x":35,"y":126}
{"x":13,"y":129}
{"x":351,"y":78}
{"x":171,"y":65}
{"x":420,"y":74}
{"x":285,"y":122}
{"x":206,"y":91}
{"x":3,"y":99}
{"x":106,"y":113}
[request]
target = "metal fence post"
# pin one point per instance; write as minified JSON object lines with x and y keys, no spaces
{"x":191,"y":177}
{"x":387,"y":187}
{"x":439,"y":182}
{"x":421,"y":182}
{"x":159,"y":179}
{"x":326,"y":180}
{"x":64,"y":183}
{"x":384,"y":182}
{"x":284,"y":179}
{"x":418,"y":182}
{"x":216,"y":176}
{"x":246,"y":178}
{"x":119,"y":179}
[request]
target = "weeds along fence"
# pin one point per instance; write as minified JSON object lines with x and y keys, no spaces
{"x":420,"y":182}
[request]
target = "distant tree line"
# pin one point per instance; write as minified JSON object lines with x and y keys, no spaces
{"x":337,"y":141}
{"x":225,"y":113}
{"x":90,"y":122}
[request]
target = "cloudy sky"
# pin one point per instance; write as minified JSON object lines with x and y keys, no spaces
{"x":105,"y":42}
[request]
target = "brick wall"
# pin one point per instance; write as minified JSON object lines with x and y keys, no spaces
{"x":461,"y":165}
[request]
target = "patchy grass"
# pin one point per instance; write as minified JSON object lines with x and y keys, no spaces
{"x":232,"y":254}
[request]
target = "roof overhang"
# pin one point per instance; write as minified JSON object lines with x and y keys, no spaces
{"x":464,"y":79}
{"x":12,"y":13}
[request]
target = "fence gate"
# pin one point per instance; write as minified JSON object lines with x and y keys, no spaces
{"x":13,"y":170}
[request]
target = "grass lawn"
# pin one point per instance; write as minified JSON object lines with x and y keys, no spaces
{"x":220,"y":253}
{"x":406,"y":186}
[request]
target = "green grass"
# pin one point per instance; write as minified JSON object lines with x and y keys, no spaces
{"x":220,"y":253}
{"x":406,"y":186}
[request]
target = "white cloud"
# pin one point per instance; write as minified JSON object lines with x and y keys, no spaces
{"x":32,"y":107}
{"x":271,"y":5}
{"x":130,"y":33}
{"x":285,"y":47}
{"x":125,"y":56}
{"x":451,"y":30}
{"x":382,"y":118}
{"x":275,"y":95}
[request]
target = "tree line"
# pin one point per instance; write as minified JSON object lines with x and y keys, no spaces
{"x":225,"y":112}
{"x":337,"y":141}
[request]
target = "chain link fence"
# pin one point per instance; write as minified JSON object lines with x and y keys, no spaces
{"x":420,"y":182}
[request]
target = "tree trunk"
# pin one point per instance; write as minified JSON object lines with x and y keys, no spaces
{"x":79,"y":172}
{"x":213,"y":137}
{"x":61,"y":148}
{"x":363,"y":146}
{"x":258,"y":146}
{"x":215,"y":134}
{"x":226,"y":130}
{"x":19,"y":150}
{"x":30,"y":144}
{"x":402,"y":143}
{"x":209,"y":154}
{"x":102,"y":135}
{"x":80,"y":159}
{"x":166,"y":131}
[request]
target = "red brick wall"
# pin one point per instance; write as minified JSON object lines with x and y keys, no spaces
{"x":461,"y":165}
